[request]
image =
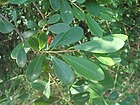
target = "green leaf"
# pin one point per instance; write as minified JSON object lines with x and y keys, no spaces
{"x":103,"y":86}
{"x":17,"y":1}
{"x":14,"y":15}
{"x":95,"y":98}
{"x":38,"y":85}
{"x":55,"y":4}
{"x":19,"y":54}
{"x":92,"y":7}
{"x":71,"y":36}
{"x":42,"y":22}
{"x":66,"y":12}
{"x":31,"y":24}
{"x":78,"y":13}
{"x":46,"y":91}
{"x":34,"y":69}
{"x":80,"y":1}
{"x":63,"y":71}
{"x":80,"y":99}
{"x":105,"y":59}
{"x":106,"y":44}
{"x":105,"y":1}
{"x":85,"y":68}
{"x":33,"y":42}
{"x":42,"y":39}
{"x":106,"y":16}
{"x":120,"y":36}
{"x":21,"y":58}
{"x":94,"y":27}
{"x":59,"y":28}
{"x":29,"y":33}
{"x":5,"y":26}
{"x":15,"y":51}
{"x":53,"y":19}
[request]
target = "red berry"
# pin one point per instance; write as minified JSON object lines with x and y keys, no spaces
{"x":49,"y":39}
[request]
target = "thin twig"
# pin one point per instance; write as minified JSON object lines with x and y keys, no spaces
{"x":16,"y":29}
{"x":60,"y":90}
{"x":42,"y":15}
{"x":63,"y":51}
{"x":108,"y":27}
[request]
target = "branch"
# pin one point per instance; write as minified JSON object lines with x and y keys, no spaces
{"x":38,"y":10}
{"x":16,"y":29}
{"x":63,"y":51}
{"x":62,"y":94}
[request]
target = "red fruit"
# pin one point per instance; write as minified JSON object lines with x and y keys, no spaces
{"x":49,"y":39}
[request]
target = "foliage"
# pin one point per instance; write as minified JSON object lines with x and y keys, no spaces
{"x":66,"y":51}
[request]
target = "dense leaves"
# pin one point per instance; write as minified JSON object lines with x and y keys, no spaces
{"x":69,"y":44}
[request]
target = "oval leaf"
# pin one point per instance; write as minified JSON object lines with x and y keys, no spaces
{"x":53,"y":19}
{"x":94,"y":27}
{"x":42,"y":40}
{"x":105,"y":59}
{"x":63,"y":71}
{"x":85,"y":68}
{"x":33,"y":42}
{"x":17,"y":1}
{"x":92,"y":7}
{"x":71,"y":36}
{"x":5,"y":26}
{"x":78,"y":13}
{"x":21,"y":57}
{"x":34,"y":68}
{"x":55,"y":4}
{"x":29,"y":33}
{"x":66,"y":12}
{"x":59,"y":28}
{"x":15,"y":51}
{"x":102,"y":45}
{"x":46,"y":91}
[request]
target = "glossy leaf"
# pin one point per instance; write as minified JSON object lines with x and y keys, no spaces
{"x":17,"y":1}
{"x":5,"y":26}
{"x":85,"y":68}
{"x":59,"y":28}
{"x":78,"y":13}
{"x":92,"y":7}
{"x":53,"y":19}
{"x":106,"y":44}
{"x":19,"y":54}
{"x":94,"y":27}
{"x":55,"y":4}
{"x":21,"y":58}
{"x":15,"y":51}
{"x":34,"y":69}
{"x":105,"y":59}
{"x":120,"y":36}
{"x":80,"y":1}
{"x":38,"y":85}
{"x":71,"y":36}
{"x":29,"y":33}
{"x":42,"y":22}
{"x":63,"y":71}
{"x":33,"y":42}
{"x":105,"y":1}
{"x":66,"y":12}
{"x":46,"y":91}
{"x":42,"y":39}
{"x":31,"y":24}
{"x":103,"y":86}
